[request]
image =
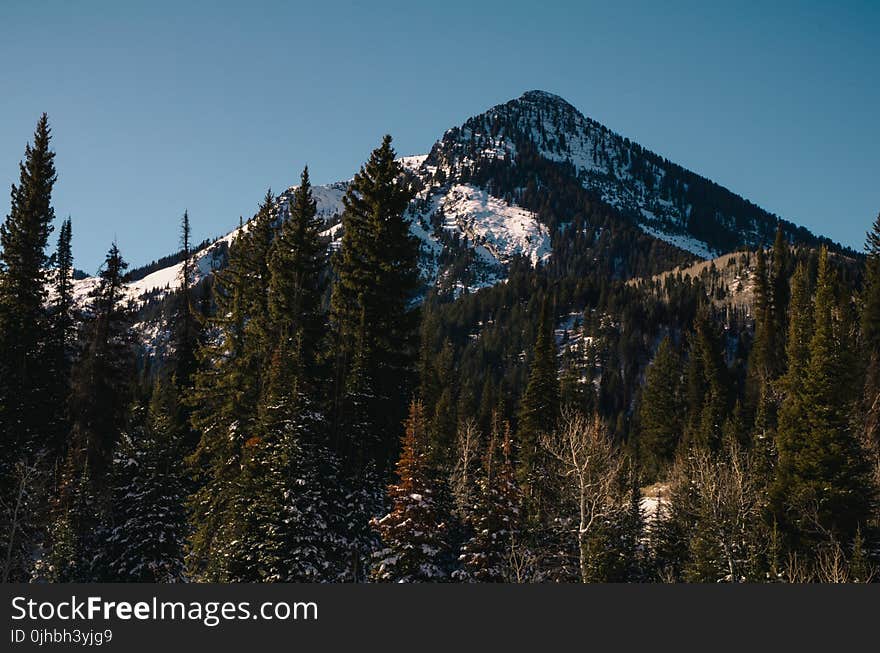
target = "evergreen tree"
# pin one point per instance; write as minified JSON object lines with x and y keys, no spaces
{"x":824,"y":477}
{"x":145,"y":540}
{"x":60,"y":351}
{"x":24,"y":327}
{"x":414,"y":532}
{"x":871,"y":335}
{"x":373,"y":324}
{"x":102,"y":378}
{"x":293,"y":478}
{"x":539,"y":406}
{"x":186,"y":324}
{"x":781,"y":293}
{"x":660,"y":414}
{"x":495,"y":518}
{"x":297,"y":259}
{"x":224,"y":399}
{"x":291,"y":474}
{"x":76,"y":536}
{"x":708,"y":385}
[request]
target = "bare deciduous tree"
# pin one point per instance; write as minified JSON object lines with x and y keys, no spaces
{"x":588,"y":468}
{"x":461,"y":480}
{"x":16,"y":513}
{"x":720,"y":497}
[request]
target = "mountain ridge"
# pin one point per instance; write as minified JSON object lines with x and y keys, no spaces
{"x":461,"y":212}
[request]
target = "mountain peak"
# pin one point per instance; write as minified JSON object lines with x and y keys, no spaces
{"x":538,"y":95}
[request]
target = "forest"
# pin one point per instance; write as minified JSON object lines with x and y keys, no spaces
{"x":319,"y":415}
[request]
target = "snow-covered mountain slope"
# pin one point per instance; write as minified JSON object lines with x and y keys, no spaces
{"x":665,"y":200}
{"x":501,"y":230}
{"x":461,"y":216}
{"x":465,"y":213}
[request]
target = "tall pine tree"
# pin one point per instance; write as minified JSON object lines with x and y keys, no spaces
{"x":24,"y":325}
{"x":539,"y":406}
{"x":824,"y":479}
{"x":373,"y":322}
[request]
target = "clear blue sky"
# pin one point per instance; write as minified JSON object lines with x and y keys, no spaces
{"x":157,"y":107}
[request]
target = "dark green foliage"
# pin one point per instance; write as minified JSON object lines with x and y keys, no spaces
{"x":224,"y":414}
{"x":708,"y":385}
{"x":823,"y":482}
{"x":539,"y":406}
{"x":145,"y":540}
{"x":24,"y":324}
{"x":870,"y":324}
{"x":373,"y":324}
{"x":60,"y":348}
{"x":103,"y":375}
{"x":297,"y":261}
{"x":284,"y":379}
{"x":660,"y":411}
{"x":185,"y":326}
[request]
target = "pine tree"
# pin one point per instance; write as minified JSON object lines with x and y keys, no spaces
{"x":373,"y":324}
{"x":781,"y":294}
{"x":186,"y":323}
{"x":495,"y":518}
{"x":414,"y":532}
{"x":294,"y":481}
{"x":60,"y":351}
{"x":145,"y":540}
{"x":24,"y":327}
{"x":297,"y":259}
{"x":825,"y":478}
{"x":792,"y":424}
{"x":76,"y":534}
{"x":871,"y":335}
{"x":224,"y":399}
{"x":762,"y":355}
{"x":444,"y":421}
{"x":539,"y":406}
{"x":660,"y":411}
{"x":291,"y":475}
{"x":102,"y":377}
{"x":708,"y":385}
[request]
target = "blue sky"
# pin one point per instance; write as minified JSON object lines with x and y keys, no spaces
{"x":157,"y":107}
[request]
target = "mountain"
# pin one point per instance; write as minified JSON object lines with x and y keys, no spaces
{"x":508,"y":183}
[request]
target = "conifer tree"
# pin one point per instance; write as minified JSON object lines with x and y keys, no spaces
{"x":708,"y":385}
{"x":824,"y":478}
{"x":292,"y":475}
{"x":871,"y":335}
{"x":186,"y":324}
{"x":660,"y":413}
{"x":413,"y":534}
{"x":761,"y":356}
{"x":792,"y":424}
{"x":102,"y":378}
{"x":495,"y":518}
{"x":373,"y":324}
{"x":539,"y":407}
{"x":781,"y":293}
{"x":24,"y":327}
{"x":293,"y":481}
{"x":297,"y":259}
{"x":60,"y":350}
{"x":76,"y":537}
{"x":145,"y":541}
{"x":224,"y":399}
